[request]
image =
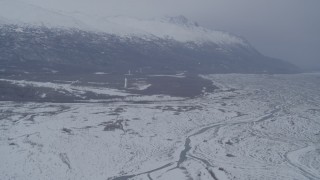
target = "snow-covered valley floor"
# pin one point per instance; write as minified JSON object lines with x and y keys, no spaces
{"x":252,"y":127}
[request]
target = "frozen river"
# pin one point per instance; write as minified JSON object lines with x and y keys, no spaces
{"x":252,"y":127}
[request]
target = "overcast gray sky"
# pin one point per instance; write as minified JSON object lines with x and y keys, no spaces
{"x":286,"y":29}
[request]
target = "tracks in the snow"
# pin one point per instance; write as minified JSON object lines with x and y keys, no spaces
{"x":293,"y":159}
{"x":184,"y":154}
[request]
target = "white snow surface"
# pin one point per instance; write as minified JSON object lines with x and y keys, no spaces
{"x":70,"y":88}
{"x":176,"y":28}
{"x":253,"y":127}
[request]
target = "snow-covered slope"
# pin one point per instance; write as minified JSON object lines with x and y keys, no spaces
{"x":39,"y":38}
{"x":255,"y":127}
{"x":177,"y":28}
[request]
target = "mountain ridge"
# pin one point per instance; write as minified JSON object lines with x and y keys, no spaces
{"x":45,"y":47}
{"x":178,"y":28}
{"x":118,"y":43}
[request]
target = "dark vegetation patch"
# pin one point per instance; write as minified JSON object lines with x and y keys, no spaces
{"x":230,"y":155}
{"x":191,"y":86}
{"x":112,"y":125}
{"x":67,"y":131}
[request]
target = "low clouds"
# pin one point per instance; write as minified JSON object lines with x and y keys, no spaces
{"x":287,"y":29}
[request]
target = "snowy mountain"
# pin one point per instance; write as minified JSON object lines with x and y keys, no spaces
{"x":39,"y":38}
{"x":178,"y":28}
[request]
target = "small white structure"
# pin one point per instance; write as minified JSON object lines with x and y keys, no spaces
{"x":125,"y":82}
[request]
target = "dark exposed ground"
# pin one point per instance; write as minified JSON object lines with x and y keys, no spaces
{"x":188,"y":86}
